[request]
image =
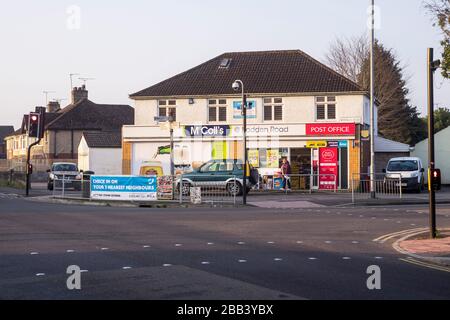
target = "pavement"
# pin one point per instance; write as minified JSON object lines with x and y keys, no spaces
{"x":213,"y":253}
{"x":270,"y":200}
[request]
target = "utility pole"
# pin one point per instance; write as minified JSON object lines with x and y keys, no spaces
{"x":432,"y":66}
{"x":372,"y":105}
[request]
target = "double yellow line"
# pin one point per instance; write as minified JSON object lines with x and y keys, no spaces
{"x":426,"y":264}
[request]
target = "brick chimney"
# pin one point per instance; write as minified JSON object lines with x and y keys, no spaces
{"x":79,"y":94}
{"x":53,"y":106}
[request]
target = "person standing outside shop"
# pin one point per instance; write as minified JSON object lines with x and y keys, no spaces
{"x":285,"y":173}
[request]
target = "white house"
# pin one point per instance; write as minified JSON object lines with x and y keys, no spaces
{"x":298,"y":109}
{"x":442,"y":153}
{"x":100,"y":152}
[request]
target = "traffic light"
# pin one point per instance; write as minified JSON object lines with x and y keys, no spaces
{"x":34,"y":125}
{"x":435,"y":179}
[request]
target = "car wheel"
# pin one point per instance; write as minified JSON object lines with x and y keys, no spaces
{"x":50,"y":186}
{"x":234,"y":189}
{"x":185,"y":188}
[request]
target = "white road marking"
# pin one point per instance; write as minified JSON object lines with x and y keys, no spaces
{"x":167,"y":265}
{"x":346,"y":258}
{"x":146,"y":246}
{"x":210,"y":243}
{"x":312,"y":258}
{"x":126,"y":268}
{"x":270,"y":242}
{"x":355,"y":242}
{"x":241,"y":242}
{"x":299,"y":242}
{"x":34,"y":253}
{"x":205,"y":262}
{"x":40,"y":274}
{"x":277,"y":259}
{"x":104,"y":249}
{"x":242,"y":261}
{"x":178,"y":245}
{"x":378,"y":258}
{"x":70,"y":251}
{"x":328,"y":242}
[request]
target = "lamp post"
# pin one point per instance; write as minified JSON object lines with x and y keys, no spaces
{"x":372,"y":105}
{"x":238,"y":84}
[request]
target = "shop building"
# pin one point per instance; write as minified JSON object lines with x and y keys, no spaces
{"x":298,"y":108}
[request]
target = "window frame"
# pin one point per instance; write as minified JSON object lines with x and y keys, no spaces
{"x":218,"y":105}
{"x":271,"y":102}
{"x":326,"y":102}
{"x":167,"y":105}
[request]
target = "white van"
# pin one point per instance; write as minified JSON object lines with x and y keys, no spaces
{"x":410,"y":169}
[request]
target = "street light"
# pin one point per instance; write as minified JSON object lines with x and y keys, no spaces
{"x":239,"y":85}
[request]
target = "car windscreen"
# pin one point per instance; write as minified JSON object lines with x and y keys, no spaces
{"x":403,"y":165}
{"x":64,"y":167}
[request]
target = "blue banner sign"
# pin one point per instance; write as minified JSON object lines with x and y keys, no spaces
{"x":237,"y":110}
{"x":124,"y":188}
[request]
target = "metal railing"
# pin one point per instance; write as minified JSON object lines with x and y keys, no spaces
{"x":66,"y":186}
{"x":303,"y":182}
{"x":200,"y":189}
{"x":385,"y":188}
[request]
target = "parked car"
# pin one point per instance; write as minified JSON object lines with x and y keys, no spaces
{"x":67,"y":171}
{"x":411,"y":171}
{"x":227,"y":173}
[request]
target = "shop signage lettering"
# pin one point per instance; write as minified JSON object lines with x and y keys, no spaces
{"x":206,"y":131}
{"x":316,"y":144}
{"x":331,"y":129}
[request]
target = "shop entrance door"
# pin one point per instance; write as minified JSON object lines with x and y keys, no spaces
{"x":301,"y":168}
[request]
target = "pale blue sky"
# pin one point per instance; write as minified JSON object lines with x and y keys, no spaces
{"x":129,"y":45}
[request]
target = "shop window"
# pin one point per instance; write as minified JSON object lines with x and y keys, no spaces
{"x":325,"y":108}
{"x":167,"y":108}
{"x":273,"y":109}
{"x":217,"y":110}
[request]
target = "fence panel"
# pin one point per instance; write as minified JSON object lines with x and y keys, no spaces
{"x":384,"y":188}
{"x":218,"y":189}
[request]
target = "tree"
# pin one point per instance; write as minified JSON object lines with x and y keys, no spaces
{"x":347,"y":56}
{"x":440,"y":11}
{"x":441,"y":119}
{"x":397,"y":120}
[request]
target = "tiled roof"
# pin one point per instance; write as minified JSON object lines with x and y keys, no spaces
{"x":103,"y":139}
{"x":87,"y":115}
{"x":262,"y":72}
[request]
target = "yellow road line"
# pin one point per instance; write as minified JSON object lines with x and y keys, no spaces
{"x":398,"y":233}
{"x":426,"y":264}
